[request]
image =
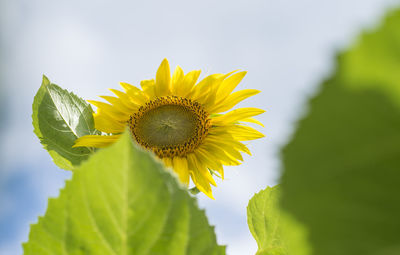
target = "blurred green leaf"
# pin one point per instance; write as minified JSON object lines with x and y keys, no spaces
{"x":122,"y":201}
{"x":59,"y":118}
{"x":275,"y":231}
{"x":342,"y":168}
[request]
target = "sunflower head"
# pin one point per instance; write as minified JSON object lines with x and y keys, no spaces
{"x":186,"y":123}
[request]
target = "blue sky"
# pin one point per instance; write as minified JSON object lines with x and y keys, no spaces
{"x":287,"y":47}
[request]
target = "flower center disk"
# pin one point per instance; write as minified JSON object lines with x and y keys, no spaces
{"x":167,"y":125}
{"x":170,"y":126}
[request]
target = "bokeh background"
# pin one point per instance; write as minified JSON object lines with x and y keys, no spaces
{"x":287,"y":47}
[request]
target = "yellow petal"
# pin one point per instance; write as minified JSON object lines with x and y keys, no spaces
{"x":177,"y":79}
{"x":188,"y":82}
{"x":202,"y":168}
{"x":167,"y":162}
{"x":211,"y":161}
{"x":111,"y":110}
{"x":200,"y":180}
{"x":129,"y":87}
{"x":236,"y":115}
{"x":233,"y":100}
{"x":136,"y":95}
{"x":180,"y":166}
{"x":244,"y":133}
{"x":125,"y":99}
{"x":228,"y":142}
{"x":148,"y":87}
{"x":106,"y":124}
{"x":116,"y":102}
{"x":209,"y":101}
{"x":252,"y":120}
{"x":227,"y":147}
{"x":163,"y":79}
{"x":229,"y":84}
{"x":220,"y":154}
{"x":96,"y":141}
{"x":203,"y":88}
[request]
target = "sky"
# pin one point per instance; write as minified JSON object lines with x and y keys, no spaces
{"x":287,"y":47}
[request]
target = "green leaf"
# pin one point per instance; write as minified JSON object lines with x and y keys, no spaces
{"x":342,"y":168}
{"x":275,"y":231}
{"x":263,"y":218}
{"x":59,"y":118}
{"x":122,"y":201}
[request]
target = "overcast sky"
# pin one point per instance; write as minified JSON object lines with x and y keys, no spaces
{"x":287,"y":47}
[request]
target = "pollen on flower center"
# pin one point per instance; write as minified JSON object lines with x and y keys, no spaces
{"x":170,"y":126}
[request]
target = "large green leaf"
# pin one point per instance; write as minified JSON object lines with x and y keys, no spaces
{"x":122,"y":201}
{"x":59,"y":118}
{"x":342,"y":168}
{"x":275,"y":231}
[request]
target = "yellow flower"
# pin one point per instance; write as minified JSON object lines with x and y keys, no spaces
{"x":178,"y":120}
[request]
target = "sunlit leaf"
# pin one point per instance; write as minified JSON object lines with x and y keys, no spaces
{"x":263,"y":218}
{"x":275,"y":231}
{"x":59,"y":117}
{"x":122,"y":201}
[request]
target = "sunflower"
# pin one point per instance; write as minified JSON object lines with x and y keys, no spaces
{"x":180,"y":122}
